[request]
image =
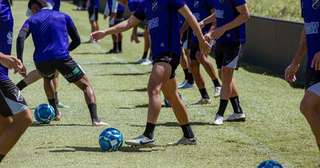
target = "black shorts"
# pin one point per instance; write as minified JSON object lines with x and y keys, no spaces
{"x":193,"y":50}
{"x":171,"y":59}
{"x":11,"y":100}
{"x":187,"y":39}
{"x":313,"y":81}
{"x":93,"y":14}
{"x":71,"y":71}
{"x":228,"y":55}
{"x":119,"y":18}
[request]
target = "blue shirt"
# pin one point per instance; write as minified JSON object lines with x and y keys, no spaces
{"x":201,"y":9}
{"x":133,"y":5}
{"x":55,"y":4}
{"x":163,"y":24}
{"x":6,"y":29}
{"x":226,"y":12}
{"x":49,"y":30}
{"x":311,"y":15}
{"x":94,"y":4}
{"x":120,"y":8}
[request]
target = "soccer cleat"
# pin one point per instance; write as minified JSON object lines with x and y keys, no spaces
{"x":146,"y":62}
{"x":58,"y":116}
{"x":185,"y":85}
{"x":113,"y":51}
{"x":203,"y":101}
{"x":218,"y":120}
{"x":236,"y":117}
{"x":140,"y":141}
{"x":217,"y":91}
{"x":60,"y":105}
{"x":185,"y":141}
{"x":99,"y":123}
{"x":140,"y":61}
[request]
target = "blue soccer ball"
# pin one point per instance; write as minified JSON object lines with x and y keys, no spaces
{"x":270,"y":164}
{"x":44,"y":113}
{"x":110,"y":140}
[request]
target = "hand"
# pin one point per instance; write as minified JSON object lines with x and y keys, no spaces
{"x":11,"y":62}
{"x":290,"y":73}
{"x":97,"y":35}
{"x":23,"y":71}
{"x":217,"y":33}
{"x":316,"y":61}
{"x":207,"y":37}
{"x":202,"y":24}
{"x":204,"y":46}
{"x":134,"y":38}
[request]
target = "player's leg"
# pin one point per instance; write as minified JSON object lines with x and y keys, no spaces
{"x":115,"y":44}
{"x":31,"y":77}
{"x":50,"y":91}
{"x":188,"y":78}
{"x":144,"y":59}
{"x":120,"y":42}
{"x":208,"y":66}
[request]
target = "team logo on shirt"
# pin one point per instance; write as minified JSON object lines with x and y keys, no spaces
{"x":311,"y":28}
{"x":9,"y":38}
{"x":196,"y":4}
{"x":315,"y":4}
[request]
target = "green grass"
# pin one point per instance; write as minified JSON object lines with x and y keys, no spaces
{"x":275,"y":129}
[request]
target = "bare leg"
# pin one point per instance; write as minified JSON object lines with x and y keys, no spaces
{"x":208,"y":66}
{"x":50,"y":93}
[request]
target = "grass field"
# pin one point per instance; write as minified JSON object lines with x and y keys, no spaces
{"x":274,"y":130}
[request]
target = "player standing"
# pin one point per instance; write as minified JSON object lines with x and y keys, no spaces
{"x":50,"y":30}
{"x":309,"y":43}
{"x":162,"y":17}
{"x":15,"y":116}
{"x":229,"y":33}
{"x":93,"y":11}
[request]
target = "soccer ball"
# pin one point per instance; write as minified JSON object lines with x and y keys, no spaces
{"x":110,"y":140}
{"x":44,"y":113}
{"x":270,"y":164}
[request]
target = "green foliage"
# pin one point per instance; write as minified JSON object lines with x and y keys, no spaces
{"x":282,"y":9}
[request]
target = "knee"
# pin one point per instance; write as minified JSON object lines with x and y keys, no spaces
{"x":27,"y":117}
{"x":153,"y":91}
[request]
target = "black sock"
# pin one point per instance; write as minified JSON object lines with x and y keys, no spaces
{"x":114,"y":45}
{"x":1,"y":157}
{"x":56,"y":97}
{"x":186,"y":72}
{"x":216,"y":83}
{"x":52,"y":102}
{"x":120,"y":46}
{"x":190,"y":78}
{"x":93,"y":111}
{"x":22,"y":84}
{"x":222,"y":107}
{"x":187,"y":131}
{"x":236,"y":105}
{"x":145,"y":54}
{"x":148,"y":132}
{"x":204,"y":93}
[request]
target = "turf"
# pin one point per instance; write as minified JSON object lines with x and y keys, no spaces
{"x":274,"y":130}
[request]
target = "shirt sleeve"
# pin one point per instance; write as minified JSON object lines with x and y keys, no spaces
{"x":140,"y":12}
{"x":238,"y":2}
{"x":177,"y":4}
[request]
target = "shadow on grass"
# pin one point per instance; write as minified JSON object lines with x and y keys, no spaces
{"x":59,"y":125}
{"x":90,"y":53}
{"x":135,"y":107}
{"x":110,"y":63}
{"x":126,"y":74}
{"x":175,"y":124}
{"x":127,"y":149}
{"x":135,"y":90}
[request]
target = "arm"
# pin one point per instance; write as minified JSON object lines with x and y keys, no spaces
{"x":23,"y":35}
{"x":184,"y":28}
{"x":208,"y":20}
{"x":293,"y":68}
{"x":121,"y":27}
{"x":73,"y":33}
{"x":192,"y":21}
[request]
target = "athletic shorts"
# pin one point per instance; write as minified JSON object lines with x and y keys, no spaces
{"x":171,"y":59}
{"x":11,"y":100}
{"x":119,"y":18}
{"x":93,"y":14}
{"x":313,"y":81}
{"x":193,"y":50}
{"x":187,"y":39}
{"x":71,"y":71}
{"x":228,"y":55}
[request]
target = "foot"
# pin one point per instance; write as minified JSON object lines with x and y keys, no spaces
{"x":185,"y":85}
{"x":146,"y":62}
{"x":61,"y":105}
{"x":140,"y":141}
{"x":185,"y":141}
{"x":236,"y":117}
{"x":218,"y":120}
{"x":203,"y":101}
{"x":58,"y":116}
{"x":140,"y":61}
{"x":113,"y":51}
{"x":99,"y":123}
{"x":217,"y":91}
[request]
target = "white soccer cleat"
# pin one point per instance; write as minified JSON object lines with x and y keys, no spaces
{"x":185,"y":141}
{"x":218,"y":120}
{"x":236,"y":117}
{"x":203,"y":101}
{"x":217,"y":91}
{"x":140,"y":61}
{"x":99,"y":123}
{"x":146,"y":62}
{"x":140,"y":141}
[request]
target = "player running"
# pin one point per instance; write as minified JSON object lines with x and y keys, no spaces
{"x":202,"y":9}
{"x":162,"y":17}
{"x":309,"y":43}
{"x":229,"y":34}
{"x":50,"y":30}
{"x":15,"y":116}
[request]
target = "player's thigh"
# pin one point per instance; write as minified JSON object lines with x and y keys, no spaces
{"x":47,"y":70}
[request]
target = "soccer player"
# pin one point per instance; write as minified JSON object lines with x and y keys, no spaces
{"x":309,"y":43}
{"x":55,"y":4}
{"x":229,"y":34}
{"x":50,"y":38}
{"x":115,"y":12}
{"x":133,"y":6}
{"x":15,"y":116}
{"x":93,"y":11}
{"x":202,"y":9}
{"x":162,"y":17}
